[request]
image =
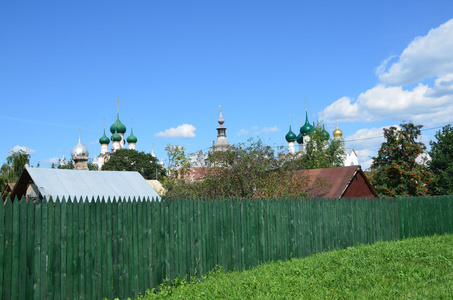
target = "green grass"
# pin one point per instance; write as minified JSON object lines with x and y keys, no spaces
{"x":420,"y":268}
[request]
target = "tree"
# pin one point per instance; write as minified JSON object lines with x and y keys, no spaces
{"x":11,"y":170}
{"x":132,"y":160}
{"x":245,"y":170}
{"x":395,"y":172}
{"x":441,"y":163}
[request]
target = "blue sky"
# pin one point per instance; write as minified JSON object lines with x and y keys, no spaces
{"x":171,"y":63}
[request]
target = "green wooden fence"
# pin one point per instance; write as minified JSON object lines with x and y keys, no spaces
{"x":97,"y":249}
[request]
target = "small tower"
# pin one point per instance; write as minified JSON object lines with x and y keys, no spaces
{"x":131,"y":140}
{"x":104,"y":141}
{"x":79,"y":155}
{"x":63,"y":161}
{"x":222,"y":142}
{"x":95,"y":159}
{"x":290,"y":138}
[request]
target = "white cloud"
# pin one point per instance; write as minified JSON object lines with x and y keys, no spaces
{"x":182,"y":131}
{"x":52,"y":160}
{"x":25,"y":149}
{"x":267,"y":130}
{"x":243,"y":132}
{"x":256,"y":130}
{"x":421,"y":104}
{"x":425,"y":57}
{"x":365,"y":138}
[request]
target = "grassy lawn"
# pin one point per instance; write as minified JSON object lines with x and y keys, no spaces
{"x":420,"y":268}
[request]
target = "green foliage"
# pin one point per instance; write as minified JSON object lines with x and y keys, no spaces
{"x":245,"y":170}
{"x":394,"y":172}
{"x":419,"y":268}
{"x":11,"y":170}
{"x":441,"y":163}
{"x":132,"y":160}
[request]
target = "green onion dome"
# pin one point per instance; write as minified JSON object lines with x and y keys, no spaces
{"x":325,"y":134}
{"x":307,"y":128}
{"x":116,"y":137}
{"x":300,"y":139}
{"x":290,"y":136}
{"x":132,"y":138}
{"x":120,"y":127}
{"x":104,"y":139}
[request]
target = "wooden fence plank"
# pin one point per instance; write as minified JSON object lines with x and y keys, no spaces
{"x":131,"y":272}
{"x":140,"y":250}
{"x":70,"y":266}
{"x":37,"y":282}
{"x":15,"y":252}
{"x":75,"y":249}
{"x":109,"y":257}
{"x":56,"y":262}
{"x":104,"y":278}
{"x":2,"y":244}
{"x":81,"y":249}
{"x":8,"y":252}
{"x":51,"y":249}
{"x":63,"y":247}
{"x":120,"y":249}
{"x":135,"y":242}
{"x":148,"y":245}
{"x":88,"y":254}
{"x":115,"y":254}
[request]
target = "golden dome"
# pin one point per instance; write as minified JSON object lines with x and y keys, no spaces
{"x":337,"y":132}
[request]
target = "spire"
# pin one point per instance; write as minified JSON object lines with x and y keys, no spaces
{"x":152,"y":150}
{"x":222,"y":142}
{"x":221,"y":119}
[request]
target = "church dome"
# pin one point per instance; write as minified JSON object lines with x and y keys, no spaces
{"x":325,"y":134}
{"x":120,"y":127}
{"x":337,"y":132}
{"x":300,"y":139}
{"x":132,"y":138}
{"x":307,"y":128}
{"x":290,"y":136}
{"x":79,"y":151}
{"x":116,"y":137}
{"x":104,"y":139}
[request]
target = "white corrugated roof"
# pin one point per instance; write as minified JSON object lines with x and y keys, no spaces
{"x":83,"y":183}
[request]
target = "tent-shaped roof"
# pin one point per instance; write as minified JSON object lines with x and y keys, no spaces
{"x":83,"y":183}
